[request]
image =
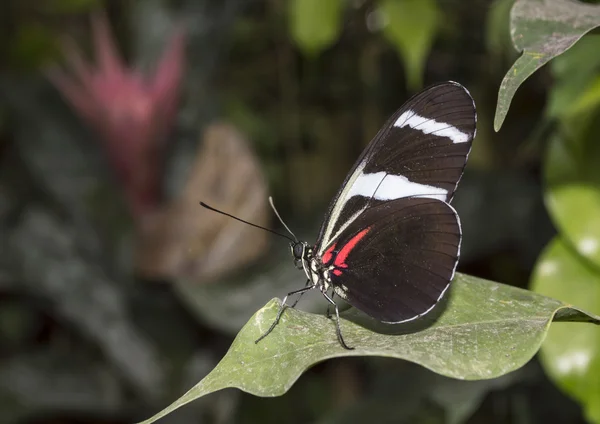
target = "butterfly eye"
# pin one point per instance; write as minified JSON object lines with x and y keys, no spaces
{"x":297,"y":250}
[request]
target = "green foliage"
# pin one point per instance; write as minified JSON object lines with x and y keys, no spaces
{"x":571,"y":353}
{"x":71,"y":6}
{"x":315,"y":24}
{"x":575,"y":75}
{"x":33,"y":45}
{"x":569,"y":268}
{"x":33,"y":37}
{"x":571,"y":165}
{"x":497,"y":29}
{"x":589,"y":99}
{"x":411,"y":25}
{"x":485,"y":329}
{"x":573,"y":197}
{"x":464,"y":341}
{"x":542,"y":30}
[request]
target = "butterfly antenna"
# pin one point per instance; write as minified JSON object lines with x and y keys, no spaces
{"x":281,"y":220}
{"x":246,"y":222}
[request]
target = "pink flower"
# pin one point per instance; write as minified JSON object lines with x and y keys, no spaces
{"x":131,"y":112}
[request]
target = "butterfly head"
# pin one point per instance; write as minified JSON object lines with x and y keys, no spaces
{"x":300,"y":252}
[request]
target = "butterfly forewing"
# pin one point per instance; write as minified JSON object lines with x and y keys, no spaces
{"x":395,"y":261}
{"x":420,"y":152}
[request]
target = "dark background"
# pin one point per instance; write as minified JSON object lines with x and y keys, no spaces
{"x":118,"y":292}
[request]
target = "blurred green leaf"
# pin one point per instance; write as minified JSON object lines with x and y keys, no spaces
{"x":576,"y":209}
{"x":497,"y":38}
{"x":411,"y":25}
{"x":227,"y":304}
{"x":542,"y":30}
{"x":588,"y":99}
{"x":482,"y":330}
{"x":572,"y":177}
{"x":575,"y":73}
{"x":32,"y":45}
{"x":70,"y":6}
{"x":315,"y":24}
{"x":571,"y":353}
{"x":398,"y":390}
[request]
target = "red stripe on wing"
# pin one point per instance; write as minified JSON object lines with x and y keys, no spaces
{"x":328,"y":254}
{"x":340,"y":259}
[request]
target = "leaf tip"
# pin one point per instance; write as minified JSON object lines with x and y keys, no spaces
{"x":499,"y":120}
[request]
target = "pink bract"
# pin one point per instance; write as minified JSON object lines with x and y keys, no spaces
{"x":131,"y":112}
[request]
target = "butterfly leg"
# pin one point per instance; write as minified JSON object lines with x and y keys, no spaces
{"x":308,"y":283}
{"x":337,"y":322}
{"x":329,"y":305}
{"x":282,"y":307}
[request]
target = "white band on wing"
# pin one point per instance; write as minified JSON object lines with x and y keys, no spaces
{"x":429,"y":126}
{"x":384,"y":186}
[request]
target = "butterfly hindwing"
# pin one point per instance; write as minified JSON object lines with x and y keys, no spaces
{"x":397,"y":259}
{"x":420,"y":152}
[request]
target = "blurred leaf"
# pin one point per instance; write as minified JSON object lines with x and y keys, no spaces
{"x":577,"y":208}
{"x":397,"y":390}
{"x":411,"y":26}
{"x":461,"y":399}
{"x":70,"y":6}
{"x":571,"y":353}
{"x":227,"y":304}
{"x":484,"y":330}
{"x":18,"y":324}
{"x":498,"y":39}
{"x":32,"y":45}
{"x":56,"y":377}
{"x":180,"y":240}
{"x":589,"y":98}
{"x":315,"y":24}
{"x":61,"y":248}
{"x":573,"y":196}
{"x":253,"y":124}
{"x":542,"y":29}
{"x":575,"y":73}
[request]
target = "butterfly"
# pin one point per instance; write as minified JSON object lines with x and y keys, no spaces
{"x":390,"y":241}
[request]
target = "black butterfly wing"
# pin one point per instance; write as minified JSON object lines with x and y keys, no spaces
{"x":397,"y":259}
{"x":420,"y":152}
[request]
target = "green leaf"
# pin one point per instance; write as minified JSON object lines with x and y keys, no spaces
{"x":542,"y":29}
{"x":571,"y":353}
{"x":576,"y":208}
{"x":315,"y":24}
{"x":482,"y":330}
{"x":575,"y":78}
{"x":411,"y":25}
{"x":588,"y":99}
{"x":572,"y":177}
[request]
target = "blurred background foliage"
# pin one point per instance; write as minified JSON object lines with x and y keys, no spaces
{"x":118,"y":292}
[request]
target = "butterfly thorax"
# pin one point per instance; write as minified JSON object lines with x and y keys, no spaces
{"x":317,"y":273}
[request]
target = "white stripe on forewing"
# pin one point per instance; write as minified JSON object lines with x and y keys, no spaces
{"x":338,"y":206}
{"x":428,"y":126}
{"x":379,"y":186}
{"x":383,"y":186}
{"x":341,"y":230}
